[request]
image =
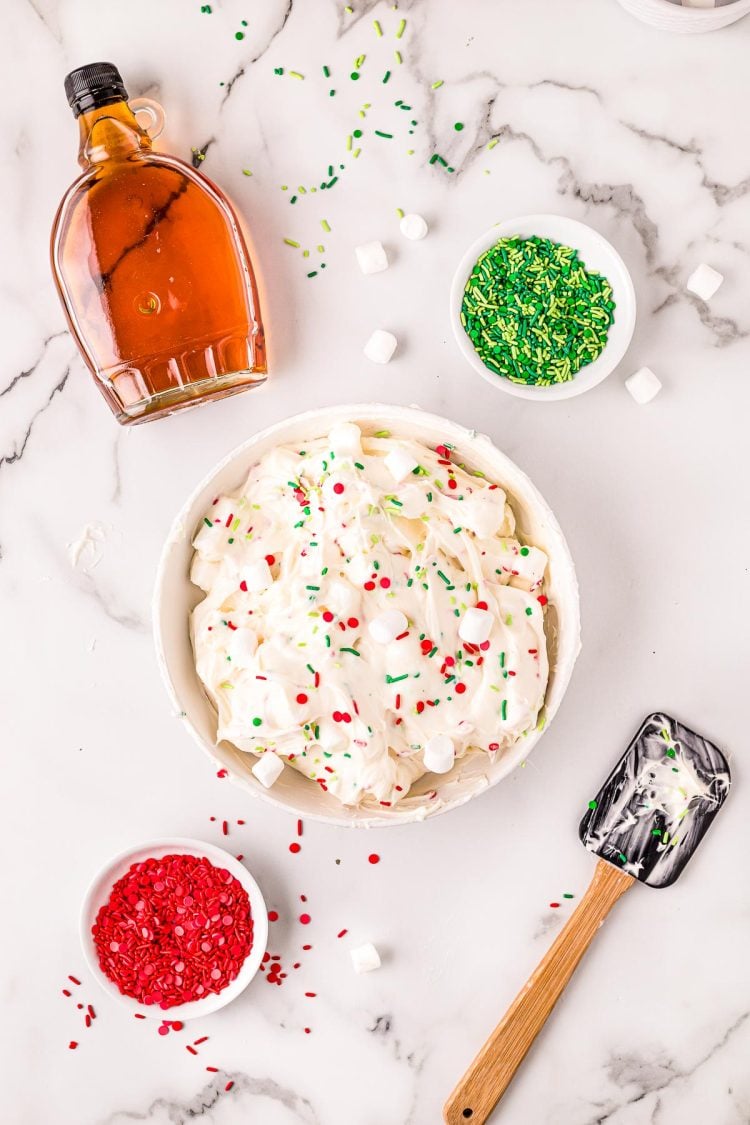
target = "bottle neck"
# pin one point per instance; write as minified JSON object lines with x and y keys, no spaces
{"x":109,"y":132}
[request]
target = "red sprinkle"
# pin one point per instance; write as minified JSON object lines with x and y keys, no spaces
{"x":311,"y":994}
{"x":228,"y":1087}
{"x":67,"y":992}
{"x":341,"y":933}
{"x":72,"y":1045}
{"x":173,"y":930}
{"x":305,"y":919}
{"x":542,"y":599}
{"x":302,"y":698}
{"x":307,"y":1030}
{"x":299,"y":827}
{"x":352,"y":622}
{"x":460,"y":689}
{"x":74,"y":979}
{"x":374,"y":858}
{"x":554,"y":905}
{"x":369,"y":585}
{"x":294,"y":848}
{"x":270,"y":559}
{"x":273,"y":915}
{"x":338,"y":488}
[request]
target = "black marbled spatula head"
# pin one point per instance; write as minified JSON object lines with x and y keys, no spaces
{"x":657,"y":804}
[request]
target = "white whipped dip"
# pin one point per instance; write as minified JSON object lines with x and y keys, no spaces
{"x":310,"y":569}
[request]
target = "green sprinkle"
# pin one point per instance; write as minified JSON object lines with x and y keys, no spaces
{"x":444,"y":577}
{"x":504,"y":710}
{"x":534,"y":313}
{"x":397,"y":56}
{"x":313,"y":273}
{"x":296,"y":74}
{"x":386,"y":76}
{"x":437,"y":85}
{"x":593,"y":804}
{"x":325,"y":226}
{"x":529,"y":611}
{"x":401,"y":29}
{"x":388,"y":136}
{"x":246,"y":172}
{"x":493,"y":142}
{"x":396,"y":679}
{"x":257,"y":722}
{"x":291,"y":242}
{"x":382,"y":433}
{"x":207,"y":521}
{"x":524,"y":551}
{"x":568,"y":895}
{"x":458,"y":126}
{"x":326,"y":72}
{"x":353,"y":651}
{"x":378,"y":28}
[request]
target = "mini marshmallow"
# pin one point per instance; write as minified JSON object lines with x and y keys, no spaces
{"x":242,"y":644}
{"x":257,"y":576}
{"x":371,"y":257}
{"x":476,"y":626}
{"x":365,"y":958}
{"x":414,"y":227}
{"x":439,"y":754}
{"x":345,"y":439}
{"x":388,"y":625}
{"x":399,"y":463}
{"x":268,"y":769}
{"x":381,"y":346}
{"x":643,"y":385}
{"x":704,"y":281}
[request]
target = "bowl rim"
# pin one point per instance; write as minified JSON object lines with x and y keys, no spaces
{"x":676,"y":17}
{"x":326,"y":416}
{"x":611,"y":355}
{"x":107,"y":875}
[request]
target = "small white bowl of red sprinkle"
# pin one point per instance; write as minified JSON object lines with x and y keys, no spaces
{"x":542,"y":307}
{"x":174,"y":929}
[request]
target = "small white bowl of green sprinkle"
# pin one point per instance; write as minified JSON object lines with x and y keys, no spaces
{"x":542,"y":307}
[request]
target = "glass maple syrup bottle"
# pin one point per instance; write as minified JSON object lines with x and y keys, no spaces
{"x":150,"y":264}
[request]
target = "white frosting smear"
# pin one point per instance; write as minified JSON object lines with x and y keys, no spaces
{"x":303,"y":570}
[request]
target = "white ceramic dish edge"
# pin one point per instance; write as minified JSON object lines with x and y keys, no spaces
{"x":674,"y":17}
{"x":598,"y":254}
{"x":174,"y":597}
{"x":97,"y":894}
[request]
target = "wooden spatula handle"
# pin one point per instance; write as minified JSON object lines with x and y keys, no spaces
{"x":488,"y":1077}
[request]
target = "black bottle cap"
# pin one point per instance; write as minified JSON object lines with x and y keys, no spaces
{"x":94,"y":85}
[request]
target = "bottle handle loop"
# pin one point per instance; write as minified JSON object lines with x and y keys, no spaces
{"x":153,"y":111}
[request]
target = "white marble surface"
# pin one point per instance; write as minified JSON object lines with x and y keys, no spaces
{"x":643,"y":136}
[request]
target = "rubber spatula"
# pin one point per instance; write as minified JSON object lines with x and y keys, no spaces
{"x":645,"y":823}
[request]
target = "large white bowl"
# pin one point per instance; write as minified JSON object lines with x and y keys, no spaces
{"x":98,"y":894}
{"x":596,"y":254}
{"x":175,"y":597}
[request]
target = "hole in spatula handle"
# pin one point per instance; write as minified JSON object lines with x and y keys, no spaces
{"x":468,"y":1112}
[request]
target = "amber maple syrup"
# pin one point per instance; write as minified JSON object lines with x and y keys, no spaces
{"x":151,"y":264}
